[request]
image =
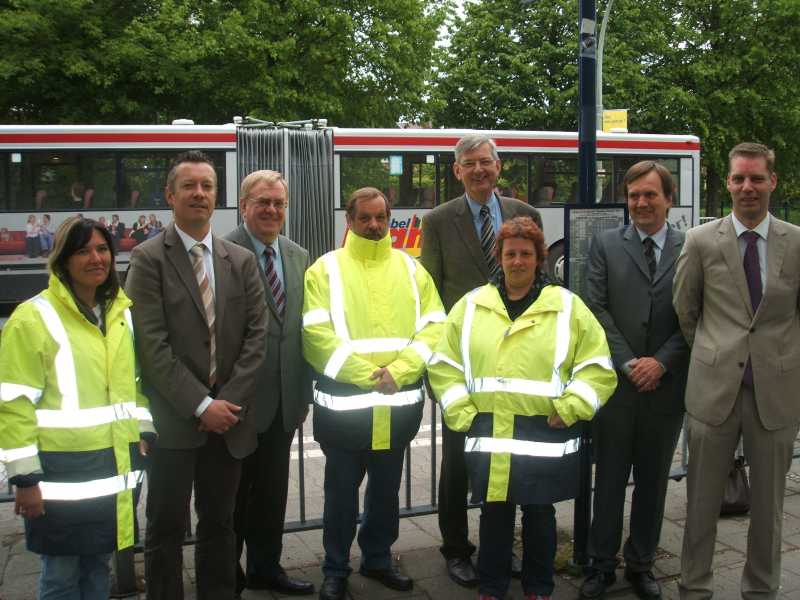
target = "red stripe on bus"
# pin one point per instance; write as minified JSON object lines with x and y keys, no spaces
{"x":115,"y":138}
{"x":361,"y":141}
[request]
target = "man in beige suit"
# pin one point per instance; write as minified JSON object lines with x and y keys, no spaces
{"x":736,"y":293}
{"x":457,"y":238}
{"x":200,"y":321}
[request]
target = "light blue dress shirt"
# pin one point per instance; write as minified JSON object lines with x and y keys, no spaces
{"x":262,"y":260}
{"x":494,"y":213}
{"x":659,"y":239}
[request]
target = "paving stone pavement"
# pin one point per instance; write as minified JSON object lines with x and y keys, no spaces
{"x":416,"y":551}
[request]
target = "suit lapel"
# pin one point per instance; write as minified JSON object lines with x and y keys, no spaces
{"x":669,"y":254}
{"x":465,"y":225}
{"x":729,"y":246}
{"x":179,"y":257}
{"x":292,"y":279}
{"x":222,"y":280}
{"x":777,"y":243}
{"x":632,"y":244}
{"x":242,"y":238}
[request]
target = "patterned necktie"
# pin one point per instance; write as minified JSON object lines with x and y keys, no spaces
{"x":650,"y":255}
{"x":208,"y":302}
{"x":487,"y":241}
{"x":752,"y":272}
{"x":652,"y":265}
{"x":273,"y":280}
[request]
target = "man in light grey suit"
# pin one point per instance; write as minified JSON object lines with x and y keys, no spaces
{"x":737,"y":290}
{"x":283,"y":392}
{"x":629,"y":290}
{"x":455,"y":239}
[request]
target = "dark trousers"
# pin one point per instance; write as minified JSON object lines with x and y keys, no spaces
{"x":625,"y":438}
{"x":453,"y":489}
{"x":32,"y":247}
{"x":380,"y":521}
{"x":261,"y":504}
{"x":170,"y":477}
{"x":539,"y":544}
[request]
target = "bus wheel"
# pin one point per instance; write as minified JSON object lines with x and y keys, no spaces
{"x":555,"y":262}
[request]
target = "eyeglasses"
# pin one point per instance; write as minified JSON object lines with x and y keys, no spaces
{"x":263,"y":204}
{"x":486,"y":163}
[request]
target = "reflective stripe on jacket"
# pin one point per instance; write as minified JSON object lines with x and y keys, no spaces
{"x":70,"y":407}
{"x":500,"y":382}
{"x":366,"y":307}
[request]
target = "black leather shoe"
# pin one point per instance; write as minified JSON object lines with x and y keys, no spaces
{"x":462,"y":572}
{"x":283,"y":584}
{"x":644,"y":584}
{"x":594,"y":586}
{"x":333,"y":588}
{"x":390,"y":576}
{"x":516,"y":566}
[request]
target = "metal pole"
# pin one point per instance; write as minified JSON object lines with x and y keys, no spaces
{"x":601,"y":41}
{"x":301,"y":475}
{"x":587,"y":73}
{"x":587,"y":178}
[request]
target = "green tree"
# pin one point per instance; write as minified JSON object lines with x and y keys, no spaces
{"x":356,"y":62}
{"x":726,"y":71}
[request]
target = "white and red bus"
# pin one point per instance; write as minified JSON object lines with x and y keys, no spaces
{"x":100,"y":170}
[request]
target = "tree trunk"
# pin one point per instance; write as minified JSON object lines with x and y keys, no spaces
{"x":712,"y":192}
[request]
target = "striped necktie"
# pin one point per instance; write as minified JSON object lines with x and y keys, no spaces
{"x":487,"y":241}
{"x":273,"y":280}
{"x":652,"y":265}
{"x":208,"y":302}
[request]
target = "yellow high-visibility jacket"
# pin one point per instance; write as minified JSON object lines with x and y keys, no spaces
{"x":71,"y":410}
{"x":366,"y":307}
{"x":500,"y":381}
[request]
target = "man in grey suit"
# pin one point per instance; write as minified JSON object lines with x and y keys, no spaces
{"x":201,"y":328}
{"x":283,"y":392}
{"x":629,"y":290}
{"x":737,"y":291}
{"x":457,"y":238}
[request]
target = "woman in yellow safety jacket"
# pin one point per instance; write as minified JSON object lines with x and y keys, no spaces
{"x":71,"y":415}
{"x":520,"y":362}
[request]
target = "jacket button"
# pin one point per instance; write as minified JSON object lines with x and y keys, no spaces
{"x":206,"y":344}
{"x":741,"y":364}
{"x":644,"y":323}
{"x":752,"y":330}
{"x":650,"y":293}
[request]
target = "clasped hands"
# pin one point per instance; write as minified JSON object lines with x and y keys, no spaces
{"x":646,"y":374}
{"x":218,"y":417}
{"x":385,"y":383}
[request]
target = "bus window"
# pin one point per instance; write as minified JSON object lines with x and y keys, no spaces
{"x":556,"y":180}
{"x":407,"y":180}
{"x":513,"y":179}
{"x":450,"y":186}
{"x":62,"y":180}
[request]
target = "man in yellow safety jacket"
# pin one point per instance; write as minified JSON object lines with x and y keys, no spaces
{"x":371,"y":319}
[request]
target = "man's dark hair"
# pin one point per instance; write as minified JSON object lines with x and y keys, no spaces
{"x":641,"y":169}
{"x":753,"y":150}
{"x":192,"y":156}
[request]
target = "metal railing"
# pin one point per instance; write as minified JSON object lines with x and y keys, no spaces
{"x":124,"y":560}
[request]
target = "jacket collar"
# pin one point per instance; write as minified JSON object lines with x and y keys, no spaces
{"x":363,"y":249}
{"x":61,"y":292}
{"x":547,"y":301}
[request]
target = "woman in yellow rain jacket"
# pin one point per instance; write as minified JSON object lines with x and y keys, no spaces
{"x":519,"y":363}
{"x":71,"y":415}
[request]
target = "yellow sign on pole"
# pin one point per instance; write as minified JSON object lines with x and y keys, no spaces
{"x":615,"y":119}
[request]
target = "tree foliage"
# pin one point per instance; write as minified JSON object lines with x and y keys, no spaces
{"x":356,"y":62}
{"x":726,"y":71}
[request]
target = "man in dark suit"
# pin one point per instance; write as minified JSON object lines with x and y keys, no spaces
{"x":737,"y":294}
{"x":200,"y":321}
{"x":117,"y":230}
{"x":284,"y":390}
{"x":457,"y":238}
{"x":629,"y":290}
